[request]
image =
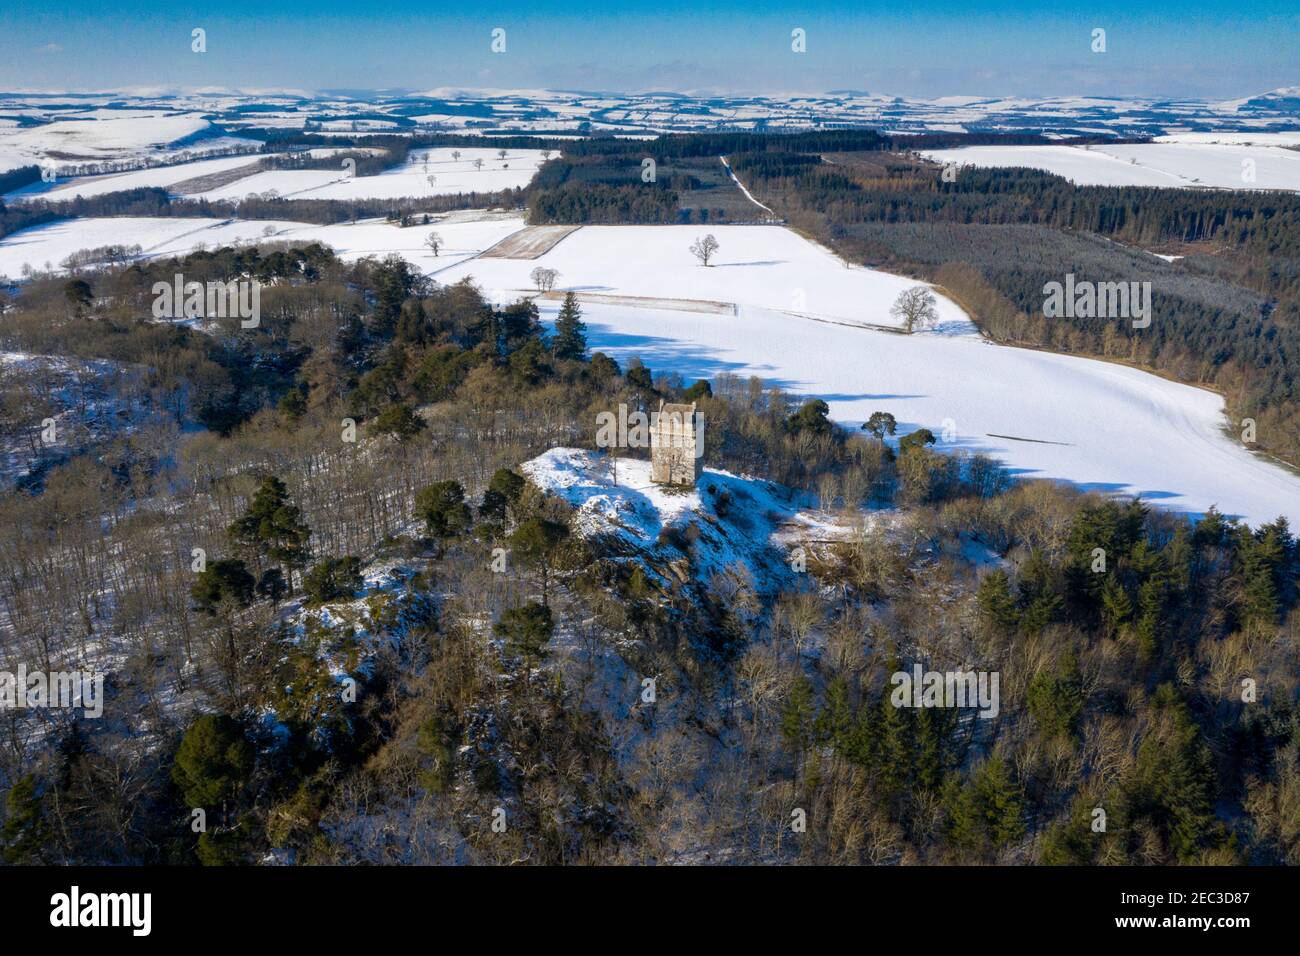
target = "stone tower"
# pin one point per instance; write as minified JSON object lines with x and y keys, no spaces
{"x":674,"y":446}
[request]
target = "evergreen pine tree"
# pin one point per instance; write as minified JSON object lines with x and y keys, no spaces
{"x":1116,"y":605}
{"x":224,"y":580}
{"x":1000,"y":801}
{"x":996,"y":602}
{"x":25,"y":831}
{"x":1263,"y":557}
{"x":930,"y":726}
{"x":894,"y":740}
{"x":527,"y":630}
{"x":535,"y":541}
{"x":272,"y":526}
{"x":441,"y":506}
{"x":502,"y":491}
{"x":213,"y":762}
{"x":835,"y":718}
{"x":797,"y":716}
{"x":570,"y":341}
{"x":1070,"y":842}
{"x":1150,"y":622}
{"x":1055,"y":700}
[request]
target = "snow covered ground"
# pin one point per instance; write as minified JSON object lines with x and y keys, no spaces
{"x":1094,"y":423}
{"x":736,"y":518}
{"x":451,"y":176}
{"x":120,"y":134}
{"x":1237,"y":137}
{"x":1186,"y":163}
{"x":160,"y":176}
{"x":48,"y":245}
{"x":755,"y":265}
{"x":1099,"y":425}
{"x":89,"y":400}
{"x":641,"y":114}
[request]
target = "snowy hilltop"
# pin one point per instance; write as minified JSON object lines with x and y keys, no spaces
{"x":724,"y":524}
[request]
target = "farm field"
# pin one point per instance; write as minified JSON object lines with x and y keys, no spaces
{"x":168,"y":236}
{"x":529,"y":243}
{"x":1183,"y":164}
{"x":1095,"y":424}
{"x":116,"y":135}
{"x":764,"y":266}
{"x":451,"y":176}
{"x":1092,"y":423}
{"x":159,"y":176}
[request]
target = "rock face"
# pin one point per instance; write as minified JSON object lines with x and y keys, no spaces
{"x":674,"y":446}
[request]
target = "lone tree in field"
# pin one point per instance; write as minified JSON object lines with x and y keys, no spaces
{"x":434,"y":242}
{"x":433,"y":180}
{"x":544,"y":278}
{"x":455,"y":155}
{"x":915,"y":307}
{"x":546,"y":154}
{"x":501,"y":154}
{"x":478,"y":163}
{"x":704,"y":249}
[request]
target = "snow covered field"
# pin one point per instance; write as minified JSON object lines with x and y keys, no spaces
{"x":755,"y":265}
{"x":1096,"y":424}
{"x":286,"y":183}
{"x":168,"y":236}
{"x":118,"y":135}
{"x":1234,"y":137}
{"x":1187,"y":162}
{"x":451,"y":176}
{"x":160,"y":176}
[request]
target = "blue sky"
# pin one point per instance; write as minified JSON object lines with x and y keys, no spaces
{"x":924,"y":48}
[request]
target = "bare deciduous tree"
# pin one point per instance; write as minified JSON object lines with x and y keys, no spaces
{"x":916,"y":308}
{"x":544,"y":278}
{"x":704,"y":249}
